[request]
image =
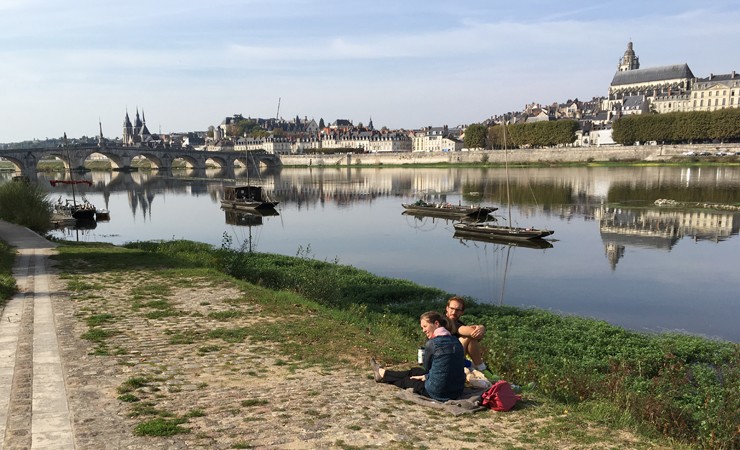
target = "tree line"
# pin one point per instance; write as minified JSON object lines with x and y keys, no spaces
{"x":531,"y":135}
{"x":670,"y":128}
{"x":679,"y":127}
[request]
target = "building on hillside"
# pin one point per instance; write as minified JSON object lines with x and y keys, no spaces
{"x":270,"y":144}
{"x":716,"y":92}
{"x":635,"y":104}
{"x":656,"y":82}
{"x":435,"y":139}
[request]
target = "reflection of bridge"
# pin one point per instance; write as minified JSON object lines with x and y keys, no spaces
{"x":26,"y":159}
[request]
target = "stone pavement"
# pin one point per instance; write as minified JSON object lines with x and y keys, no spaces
{"x":34,"y":412}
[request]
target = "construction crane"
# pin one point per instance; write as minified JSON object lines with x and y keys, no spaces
{"x":277,"y":115}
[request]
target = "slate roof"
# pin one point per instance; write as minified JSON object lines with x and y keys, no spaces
{"x":721,"y":77}
{"x":652,"y":74}
{"x":633,"y":102}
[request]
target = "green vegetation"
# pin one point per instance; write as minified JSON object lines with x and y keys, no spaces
{"x":679,"y":127}
{"x":161,"y":427}
{"x":25,"y":204}
{"x":533,"y":135}
{"x":680,"y":386}
{"x":475,"y":136}
{"x":8,"y":287}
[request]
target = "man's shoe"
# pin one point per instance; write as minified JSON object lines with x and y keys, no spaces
{"x":376,"y":370}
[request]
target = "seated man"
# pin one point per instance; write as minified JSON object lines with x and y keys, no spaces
{"x":469,"y":335}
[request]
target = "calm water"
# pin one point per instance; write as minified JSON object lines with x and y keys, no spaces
{"x":614,"y":256}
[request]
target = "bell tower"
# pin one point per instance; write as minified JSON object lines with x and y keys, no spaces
{"x":629,"y":61}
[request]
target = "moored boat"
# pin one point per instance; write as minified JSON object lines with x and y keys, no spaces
{"x":423,"y":208}
{"x":492,"y":238}
{"x":71,"y":208}
{"x":246,"y":198}
{"x":486,"y":229}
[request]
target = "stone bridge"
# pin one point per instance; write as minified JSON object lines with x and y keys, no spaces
{"x":26,"y":159}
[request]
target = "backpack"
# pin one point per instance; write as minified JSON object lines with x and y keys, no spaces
{"x":500,"y":397}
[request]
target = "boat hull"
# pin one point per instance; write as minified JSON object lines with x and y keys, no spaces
{"x":499,"y":232}
{"x":83,"y":214}
{"x":527,"y":243}
{"x":238,"y":205}
{"x":448,"y":211}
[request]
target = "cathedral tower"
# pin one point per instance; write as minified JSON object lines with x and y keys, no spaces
{"x":629,"y":61}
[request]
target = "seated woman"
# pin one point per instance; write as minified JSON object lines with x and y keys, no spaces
{"x":442,"y":376}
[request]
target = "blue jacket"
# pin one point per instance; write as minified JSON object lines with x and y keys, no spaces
{"x":444,"y":361}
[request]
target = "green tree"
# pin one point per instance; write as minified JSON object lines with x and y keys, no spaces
{"x":725,"y":124}
{"x":475,"y":136}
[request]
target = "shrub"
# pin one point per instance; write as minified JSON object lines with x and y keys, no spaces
{"x":25,"y":204}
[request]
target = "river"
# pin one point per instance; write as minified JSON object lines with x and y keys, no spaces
{"x":615,"y":256}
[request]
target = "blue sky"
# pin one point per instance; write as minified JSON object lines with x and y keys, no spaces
{"x":405,"y":63}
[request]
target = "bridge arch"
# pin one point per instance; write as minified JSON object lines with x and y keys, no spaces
{"x":26,"y":159}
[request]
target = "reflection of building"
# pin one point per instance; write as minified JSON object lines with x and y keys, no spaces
{"x":659,"y":228}
{"x":613,"y":253}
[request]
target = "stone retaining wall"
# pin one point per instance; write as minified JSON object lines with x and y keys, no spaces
{"x":558,"y":154}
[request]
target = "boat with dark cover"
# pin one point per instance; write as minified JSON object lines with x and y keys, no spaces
{"x":246,"y":198}
{"x":448,"y":210}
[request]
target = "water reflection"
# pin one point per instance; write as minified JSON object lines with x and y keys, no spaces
{"x":603,"y":218}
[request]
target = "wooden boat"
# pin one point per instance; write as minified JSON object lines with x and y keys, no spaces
{"x":489,"y":230}
{"x":246,"y":198}
{"x":79,"y":211}
{"x":502,"y":232}
{"x":448,"y":210}
{"x":495,"y":239}
{"x":75,"y":210}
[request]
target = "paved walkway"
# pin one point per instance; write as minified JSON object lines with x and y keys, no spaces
{"x":34,"y":412}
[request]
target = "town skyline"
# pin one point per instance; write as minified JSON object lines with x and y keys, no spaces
{"x":406,"y":66}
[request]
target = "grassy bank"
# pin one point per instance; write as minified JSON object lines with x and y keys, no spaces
{"x":681,"y":386}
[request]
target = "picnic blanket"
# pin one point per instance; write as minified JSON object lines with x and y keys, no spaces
{"x":468,"y":403}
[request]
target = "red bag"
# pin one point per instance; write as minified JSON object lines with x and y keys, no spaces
{"x":500,"y":397}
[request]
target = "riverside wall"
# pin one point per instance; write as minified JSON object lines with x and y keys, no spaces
{"x":545,"y":155}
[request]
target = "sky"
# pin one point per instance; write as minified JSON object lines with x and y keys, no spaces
{"x":66,"y":66}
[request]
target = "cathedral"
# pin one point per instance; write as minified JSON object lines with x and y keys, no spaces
{"x":665,"y":89}
{"x":137,"y":134}
{"x":632,"y":85}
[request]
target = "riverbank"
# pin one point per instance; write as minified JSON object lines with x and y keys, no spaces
{"x":163,"y":344}
{"x":544,"y":156}
{"x":162,"y":351}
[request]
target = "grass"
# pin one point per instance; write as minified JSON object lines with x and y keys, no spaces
{"x":682,"y":387}
{"x":161,"y":427}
